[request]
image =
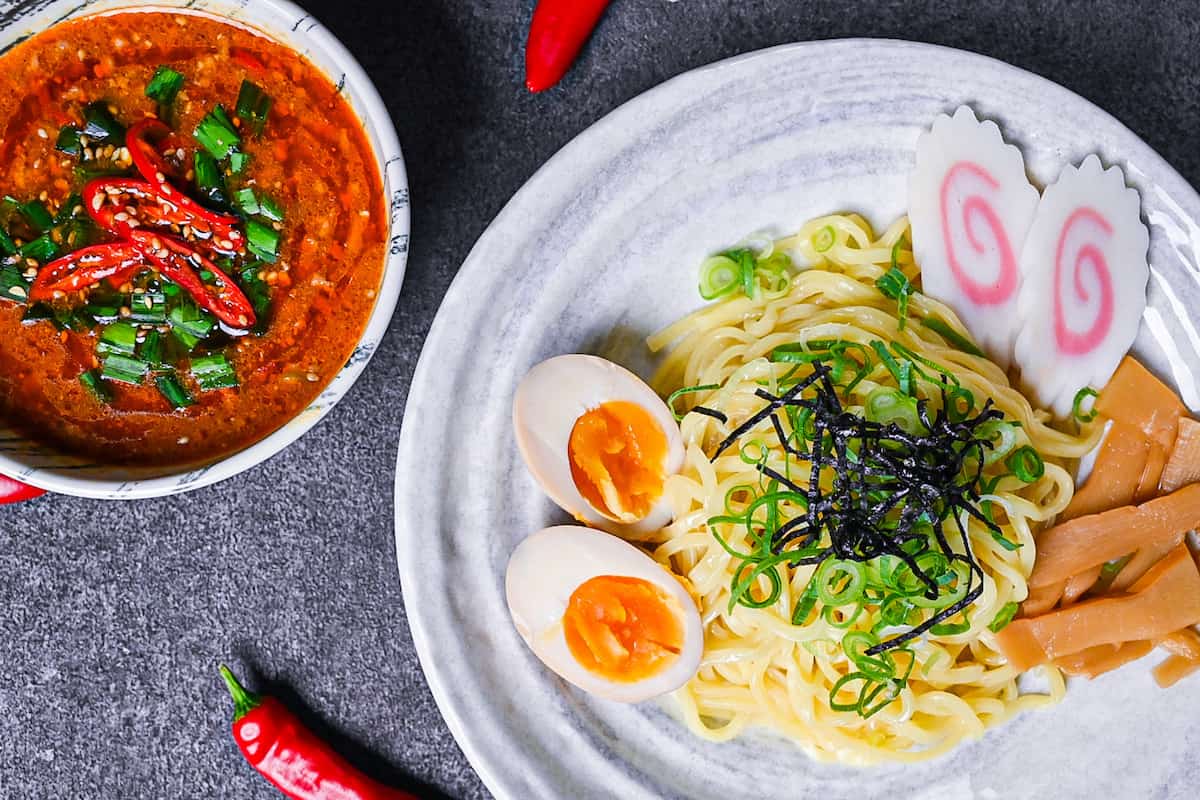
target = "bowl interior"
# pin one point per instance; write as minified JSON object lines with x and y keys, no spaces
{"x":43,"y":466}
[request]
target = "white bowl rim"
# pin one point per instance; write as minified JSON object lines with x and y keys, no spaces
{"x":373,"y":114}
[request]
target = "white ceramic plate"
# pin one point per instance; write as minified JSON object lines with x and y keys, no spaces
{"x":42,"y":466}
{"x":600,"y":248}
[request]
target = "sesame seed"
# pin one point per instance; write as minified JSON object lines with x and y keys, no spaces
{"x":183,"y":440}
{"x":42,"y":133}
{"x":126,"y":311}
{"x":121,"y":217}
{"x":31,"y":263}
{"x":84,"y":140}
{"x":37,"y":164}
{"x":370,"y":294}
{"x":158,"y":176}
{"x":312,"y":377}
{"x":226,"y":244}
{"x":17,"y":291}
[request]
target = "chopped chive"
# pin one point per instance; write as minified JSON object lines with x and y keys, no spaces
{"x":12,"y":284}
{"x":190,"y":320}
{"x":238,"y":161}
{"x":675,"y":395}
{"x":149,"y":307}
{"x":68,"y":141}
{"x":151,"y":350}
{"x":173,"y":390}
{"x":216,"y":134}
{"x":38,"y":215}
{"x":119,"y":338}
{"x":100,"y":125}
{"x":163,"y":89}
{"x":270,"y":209}
{"x":719,"y":276}
{"x":247,"y":201}
{"x":95,"y":385}
{"x":213,"y":372}
{"x":66,"y":212}
{"x":1026,"y":464}
{"x":262,"y":241}
{"x":124,"y":369}
{"x":41,"y":249}
{"x":7,"y":246}
{"x":253,"y":106}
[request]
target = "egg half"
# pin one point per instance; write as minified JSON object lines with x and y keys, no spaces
{"x":599,"y":441}
{"x":603,"y":614}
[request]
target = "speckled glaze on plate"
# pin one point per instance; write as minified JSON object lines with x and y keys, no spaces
{"x":600,"y":248}
{"x":284,"y":22}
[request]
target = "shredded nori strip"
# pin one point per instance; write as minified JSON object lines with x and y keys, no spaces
{"x":896,"y":484}
{"x":711,"y":412}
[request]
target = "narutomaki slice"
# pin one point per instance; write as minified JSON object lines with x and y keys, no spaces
{"x":1166,"y":599}
{"x":1102,"y":658}
{"x":1090,"y":541}
{"x":1183,"y":467}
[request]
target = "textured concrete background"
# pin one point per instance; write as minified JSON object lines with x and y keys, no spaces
{"x":113,"y":617}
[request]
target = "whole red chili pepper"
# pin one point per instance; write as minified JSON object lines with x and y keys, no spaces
{"x":287,"y":754}
{"x":556,"y":35}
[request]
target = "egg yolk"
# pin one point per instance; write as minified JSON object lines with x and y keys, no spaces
{"x":618,"y":454}
{"x":623,"y":629}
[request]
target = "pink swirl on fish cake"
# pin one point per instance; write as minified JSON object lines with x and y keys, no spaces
{"x":1069,"y":341}
{"x":978,"y":207}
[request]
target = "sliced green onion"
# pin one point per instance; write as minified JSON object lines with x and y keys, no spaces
{"x":719,"y":276}
{"x":188,"y":319}
{"x":878,"y":668}
{"x":824,"y":239}
{"x":952,"y":336}
{"x":1002,"y":540}
{"x":262,"y":241}
{"x":7,"y":246}
{"x":68,"y":141}
{"x":1007,"y":431}
{"x":41,"y":249}
{"x":678,"y":393}
{"x":253,"y":106}
{"x":216,"y":134}
{"x":1026,"y":464}
{"x":92,"y":381}
{"x":163,"y":88}
{"x":124,"y":369}
{"x":833,"y":573}
{"x":895,"y":285}
{"x":886,"y":405}
{"x":100,"y":125}
{"x":1081,"y":397}
{"x":213,"y":372}
{"x":102,"y":312}
{"x":805,"y":603}
{"x":901,"y":370}
{"x":12,"y":284}
{"x":953,"y":628}
{"x":151,"y":350}
{"x":119,"y":338}
{"x":1003,"y":616}
{"x":170,"y":388}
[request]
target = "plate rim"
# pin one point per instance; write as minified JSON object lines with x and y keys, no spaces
{"x":406,"y":456}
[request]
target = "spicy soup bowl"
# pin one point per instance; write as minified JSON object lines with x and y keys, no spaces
{"x":41,"y":465}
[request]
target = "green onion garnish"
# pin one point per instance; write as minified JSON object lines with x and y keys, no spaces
{"x":119,"y":338}
{"x":952,"y":336}
{"x":213,"y":372}
{"x":719,"y":276}
{"x":1026,"y":464}
{"x":13,"y":285}
{"x":173,"y":390}
{"x":92,"y":382}
{"x":1003,"y":617}
{"x":253,"y":106}
{"x":7,"y":246}
{"x":189,"y":324}
{"x":68,"y":141}
{"x":238,"y":161}
{"x":678,"y":393}
{"x":216,"y":134}
{"x":262,"y":241}
{"x":895,"y":285}
{"x":163,"y":88}
{"x":824,"y":239}
{"x":901,"y":370}
{"x":1081,"y":397}
{"x":270,"y":209}
{"x":886,"y":406}
{"x":124,"y":369}
{"x":100,"y":125}
{"x":839,"y":582}
{"x":41,"y":249}
{"x":247,"y":201}
{"x":151,"y":350}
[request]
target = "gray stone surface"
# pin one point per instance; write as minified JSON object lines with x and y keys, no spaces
{"x":113,"y":617}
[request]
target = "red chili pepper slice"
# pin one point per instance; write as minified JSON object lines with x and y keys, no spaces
{"x":179,"y":263}
{"x":150,"y":163}
{"x":286,"y":753}
{"x":106,"y":201}
{"x":13,"y":491}
{"x":556,"y":35}
{"x":85,"y":268}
